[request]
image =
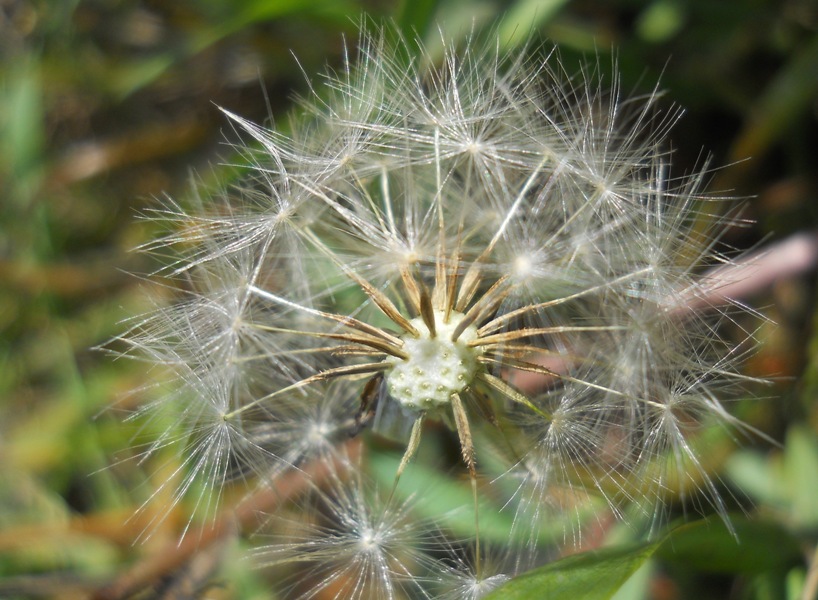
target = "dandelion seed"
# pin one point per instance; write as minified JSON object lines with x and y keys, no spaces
{"x":347,"y":542}
{"x":457,"y":578}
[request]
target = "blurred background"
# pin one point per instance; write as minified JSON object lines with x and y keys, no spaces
{"x":108,"y":105}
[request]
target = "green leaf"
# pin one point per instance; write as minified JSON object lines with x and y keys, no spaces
{"x":784,"y":101}
{"x":709,"y":545}
{"x":525,"y":16}
{"x":245,"y":15}
{"x":416,"y":16}
{"x":638,"y":585}
{"x":660,"y":21}
{"x":595,"y":575}
{"x":801,"y":466}
{"x":445,"y":498}
{"x":21,"y":130}
{"x":759,"y":476}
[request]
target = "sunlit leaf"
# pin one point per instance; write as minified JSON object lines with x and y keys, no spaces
{"x":595,"y":575}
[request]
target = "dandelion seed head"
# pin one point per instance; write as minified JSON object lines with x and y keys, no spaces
{"x":523,"y":266}
{"x":458,"y":577}
{"x":489,"y":243}
{"x":351,"y":541}
{"x":370,"y":540}
{"x":470,"y":587}
{"x":318,"y":432}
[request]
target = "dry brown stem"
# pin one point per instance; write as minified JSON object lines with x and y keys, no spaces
{"x":232,"y":520}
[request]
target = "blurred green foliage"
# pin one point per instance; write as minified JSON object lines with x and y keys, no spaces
{"x":105,"y":105}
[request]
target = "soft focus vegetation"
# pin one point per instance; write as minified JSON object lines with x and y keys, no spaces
{"x":106,"y":106}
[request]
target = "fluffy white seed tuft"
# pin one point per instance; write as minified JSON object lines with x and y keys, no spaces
{"x":490,"y":243}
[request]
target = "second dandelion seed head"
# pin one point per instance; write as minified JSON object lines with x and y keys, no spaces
{"x":436,"y":365}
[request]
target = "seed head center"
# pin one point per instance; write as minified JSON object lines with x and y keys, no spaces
{"x":436,"y":367}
